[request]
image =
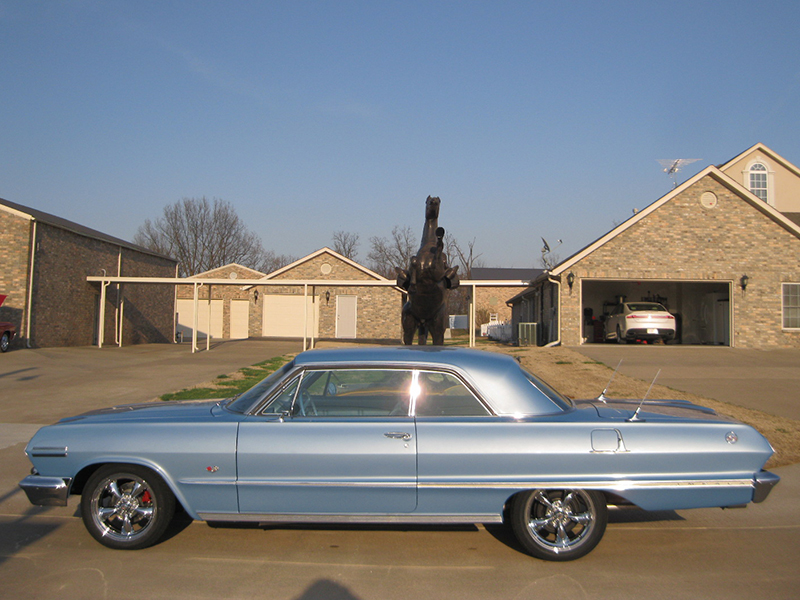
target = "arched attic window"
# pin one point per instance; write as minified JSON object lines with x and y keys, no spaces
{"x":758,"y":180}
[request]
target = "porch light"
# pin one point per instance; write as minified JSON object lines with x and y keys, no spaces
{"x":571,"y":280}
{"x":744,"y":281}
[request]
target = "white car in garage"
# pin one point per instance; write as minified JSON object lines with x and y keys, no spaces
{"x":632,"y":321}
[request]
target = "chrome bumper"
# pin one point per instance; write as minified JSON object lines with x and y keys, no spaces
{"x":763,"y":484}
{"x":46,"y":491}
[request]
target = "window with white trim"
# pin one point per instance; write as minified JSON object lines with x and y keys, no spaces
{"x":791,"y":305}
{"x":758,"y":180}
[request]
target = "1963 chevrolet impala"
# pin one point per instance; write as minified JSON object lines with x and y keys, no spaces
{"x":396,"y":435}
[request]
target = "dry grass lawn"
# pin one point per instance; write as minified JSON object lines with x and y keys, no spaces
{"x":577,"y":376}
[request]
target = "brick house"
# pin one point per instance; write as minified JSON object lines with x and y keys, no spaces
{"x":491,"y":300}
{"x":46,"y":260}
{"x":333,"y":311}
{"x":724,"y":259}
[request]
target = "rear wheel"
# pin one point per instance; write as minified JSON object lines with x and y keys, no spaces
{"x":5,"y":340}
{"x":559,"y":525}
{"x":126,"y":507}
{"x":620,"y":338}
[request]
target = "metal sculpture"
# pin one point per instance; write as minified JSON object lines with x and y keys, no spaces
{"x":428,"y":281}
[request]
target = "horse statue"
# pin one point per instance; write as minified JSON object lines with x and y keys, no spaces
{"x":428,"y":281}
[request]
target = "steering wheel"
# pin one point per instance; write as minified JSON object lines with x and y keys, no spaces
{"x":307,"y":403}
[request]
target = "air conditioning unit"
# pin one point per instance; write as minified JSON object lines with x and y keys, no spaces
{"x":526,"y":334}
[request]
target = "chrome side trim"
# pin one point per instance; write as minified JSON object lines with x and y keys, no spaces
{"x":621,"y":485}
{"x":49,"y":451}
{"x":419,"y":519}
{"x":46,"y":491}
{"x":349,"y":484}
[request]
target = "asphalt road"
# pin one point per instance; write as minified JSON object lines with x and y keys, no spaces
{"x":46,"y":553}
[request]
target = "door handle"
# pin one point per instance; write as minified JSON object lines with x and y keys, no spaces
{"x":397,"y":435}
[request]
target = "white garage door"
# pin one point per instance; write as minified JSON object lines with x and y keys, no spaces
{"x":240,"y":319}
{"x":284,"y":316}
{"x":186,"y":318}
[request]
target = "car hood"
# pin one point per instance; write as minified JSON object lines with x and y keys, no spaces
{"x":653,"y":409}
{"x":162,"y":411}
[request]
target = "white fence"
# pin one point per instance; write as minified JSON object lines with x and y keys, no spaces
{"x":496,"y":330}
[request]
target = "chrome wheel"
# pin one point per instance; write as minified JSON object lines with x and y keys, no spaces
{"x":4,"y":342}
{"x":126,"y":507}
{"x":559,"y":524}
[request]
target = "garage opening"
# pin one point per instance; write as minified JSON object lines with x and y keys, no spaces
{"x":701,"y":308}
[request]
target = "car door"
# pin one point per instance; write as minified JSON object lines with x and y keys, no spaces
{"x":331,"y":441}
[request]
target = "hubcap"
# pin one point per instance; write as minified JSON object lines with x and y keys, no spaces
{"x":560,"y":519}
{"x":123,"y":507}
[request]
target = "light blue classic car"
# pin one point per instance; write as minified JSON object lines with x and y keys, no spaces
{"x":396,"y":435}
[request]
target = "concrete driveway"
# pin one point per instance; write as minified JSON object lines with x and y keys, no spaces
{"x":767,"y":380}
{"x":43,"y":385}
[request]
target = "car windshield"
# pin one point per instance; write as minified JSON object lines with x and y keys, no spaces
{"x":651,"y":306}
{"x":246,"y":400}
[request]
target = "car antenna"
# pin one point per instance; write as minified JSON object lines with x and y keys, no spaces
{"x":635,"y":416}
{"x":602,"y":397}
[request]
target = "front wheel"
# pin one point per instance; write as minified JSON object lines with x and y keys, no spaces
{"x":5,"y":341}
{"x":126,"y":507}
{"x":559,"y":525}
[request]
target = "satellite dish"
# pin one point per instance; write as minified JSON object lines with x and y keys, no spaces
{"x":673,"y":165}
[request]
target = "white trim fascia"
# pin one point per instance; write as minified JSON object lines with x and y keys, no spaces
{"x":762,"y":148}
{"x":233,"y":264}
{"x":333,"y":253}
{"x":16,"y":212}
{"x":714,"y":172}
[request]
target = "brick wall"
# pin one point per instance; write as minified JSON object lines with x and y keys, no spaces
{"x":14,"y":252}
{"x":378,"y":307}
{"x":65,"y":306}
{"x":682,"y":240}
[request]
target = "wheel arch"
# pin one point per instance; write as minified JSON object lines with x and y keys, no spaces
{"x":83,"y":475}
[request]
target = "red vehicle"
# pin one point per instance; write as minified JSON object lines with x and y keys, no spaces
{"x":7,"y":330}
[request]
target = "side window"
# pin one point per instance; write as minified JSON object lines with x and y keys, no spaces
{"x":354,"y":393}
{"x":443,"y":395}
{"x":791,"y":305}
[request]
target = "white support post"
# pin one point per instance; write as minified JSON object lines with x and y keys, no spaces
{"x":195,"y":321}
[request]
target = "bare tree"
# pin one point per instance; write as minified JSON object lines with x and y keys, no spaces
{"x":346,"y":244}
{"x":273,"y":262}
{"x":464,"y":257}
{"x":202,"y":235}
{"x":386,"y":254}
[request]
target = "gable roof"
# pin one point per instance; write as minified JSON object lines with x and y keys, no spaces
{"x":713,"y":172}
{"x":229,"y":266}
{"x":32,"y":214}
{"x":334,"y":254}
{"x":759,"y":147}
{"x":505,"y":273}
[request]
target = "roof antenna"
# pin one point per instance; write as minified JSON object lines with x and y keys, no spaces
{"x":635,"y":416}
{"x":602,"y":397}
{"x":673,"y":165}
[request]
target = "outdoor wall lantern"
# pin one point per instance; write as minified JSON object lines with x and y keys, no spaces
{"x":571,"y":280}
{"x":327,"y":297}
{"x":255,"y":295}
{"x":744,"y":281}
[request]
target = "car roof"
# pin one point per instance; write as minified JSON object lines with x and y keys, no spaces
{"x":498,"y":377}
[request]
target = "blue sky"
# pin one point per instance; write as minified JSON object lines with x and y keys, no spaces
{"x":529,"y":119}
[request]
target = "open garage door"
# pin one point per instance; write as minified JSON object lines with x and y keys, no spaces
{"x":701,"y":308}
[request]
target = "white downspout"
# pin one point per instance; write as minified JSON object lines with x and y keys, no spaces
{"x":30,"y":289}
